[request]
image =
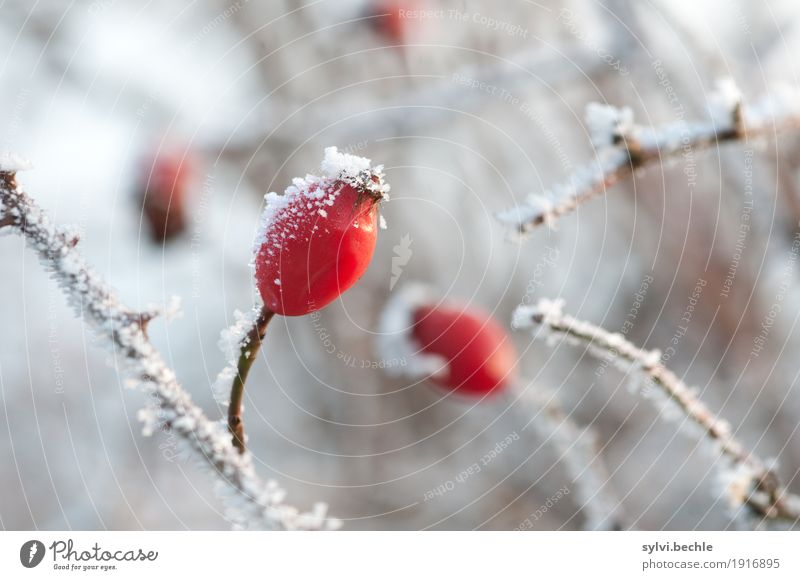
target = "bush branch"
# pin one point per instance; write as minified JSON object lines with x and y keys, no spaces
{"x":252,"y":502}
{"x":248,"y":351}
{"x":749,"y":481}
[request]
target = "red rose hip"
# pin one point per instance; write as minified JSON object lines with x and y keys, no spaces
{"x":458,"y":347}
{"x":317,"y":239}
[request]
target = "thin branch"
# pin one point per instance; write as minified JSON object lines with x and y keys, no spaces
{"x":249,"y":348}
{"x":252,"y":502}
{"x":578,"y":450}
{"x":574,"y":446}
{"x":753,"y":483}
{"x":623,"y":147}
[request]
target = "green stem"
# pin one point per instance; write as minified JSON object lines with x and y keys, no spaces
{"x":247,"y":354}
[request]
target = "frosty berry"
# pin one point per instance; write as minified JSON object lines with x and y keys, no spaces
{"x":317,"y":239}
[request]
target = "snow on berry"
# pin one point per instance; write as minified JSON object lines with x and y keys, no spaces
{"x":457,"y":346}
{"x":317,"y":239}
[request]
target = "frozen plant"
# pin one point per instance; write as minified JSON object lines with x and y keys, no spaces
{"x":465,"y":351}
{"x":622,"y":147}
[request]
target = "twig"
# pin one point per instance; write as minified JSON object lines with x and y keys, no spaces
{"x":578,"y":450}
{"x":252,"y":502}
{"x":247,"y":354}
{"x":755,"y":485}
{"x":623,"y":147}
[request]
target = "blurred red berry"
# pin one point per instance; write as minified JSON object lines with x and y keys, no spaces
{"x":478,"y":354}
{"x":387,"y":20}
{"x":163,"y":192}
{"x":317,"y":239}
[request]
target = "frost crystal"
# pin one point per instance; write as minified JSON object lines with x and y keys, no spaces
{"x":724,"y":100}
{"x":230,"y":342}
{"x":607,"y":123}
{"x":676,"y":401}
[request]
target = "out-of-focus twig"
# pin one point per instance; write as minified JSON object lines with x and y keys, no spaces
{"x":748,"y":480}
{"x":248,"y":351}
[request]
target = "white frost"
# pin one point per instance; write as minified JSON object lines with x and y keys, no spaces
{"x":396,"y":341}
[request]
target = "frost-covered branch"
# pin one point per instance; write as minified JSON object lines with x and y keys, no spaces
{"x":623,"y":147}
{"x":578,"y":450}
{"x":252,"y":502}
{"x":248,"y":350}
{"x":747,"y":479}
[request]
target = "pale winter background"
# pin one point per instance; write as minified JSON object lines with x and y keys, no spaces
{"x":694,"y":257}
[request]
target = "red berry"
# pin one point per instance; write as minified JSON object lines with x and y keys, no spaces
{"x":317,"y":239}
{"x":163,"y":189}
{"x":480,"y":356}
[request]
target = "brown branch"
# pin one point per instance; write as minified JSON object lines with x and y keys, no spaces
{"x":248,"y":351}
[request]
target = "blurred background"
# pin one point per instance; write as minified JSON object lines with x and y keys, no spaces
{"x":156,"y":128}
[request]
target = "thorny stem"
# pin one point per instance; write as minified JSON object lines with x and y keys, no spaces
{"x":248,"y":351}
{"x":767,"y":497}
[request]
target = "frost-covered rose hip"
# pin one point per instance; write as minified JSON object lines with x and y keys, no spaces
{"x":317,"y":239}
{"x":459,"y":347}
